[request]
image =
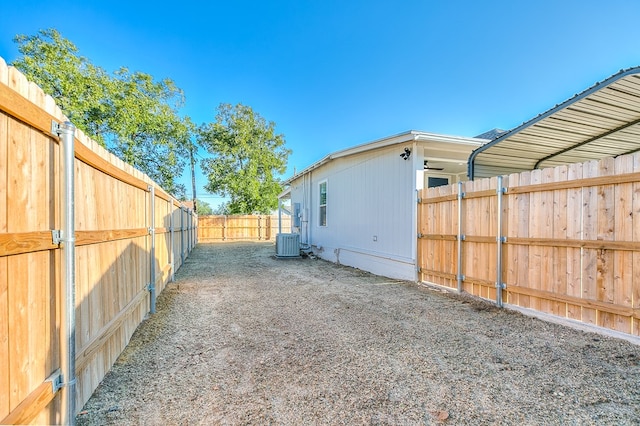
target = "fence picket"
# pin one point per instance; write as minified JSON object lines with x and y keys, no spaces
{"x":572,"y":247}
{"x":605,"y":232}
{"x":623,"y":260}
{"x":559,"y":258}
{"x":635,"y":233}
{"x":574,"y":231}
{"x":590,"y":232}
{"x":4,"y":278}
{"x":512,"y":253}
{"x":493,"y":233}
{"x":548,"y":260}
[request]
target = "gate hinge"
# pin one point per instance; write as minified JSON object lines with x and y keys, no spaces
{"x":419,"y":200}
{"x":56,"y":236}
{"x":419,"y":235}
{"x":501,"y":286}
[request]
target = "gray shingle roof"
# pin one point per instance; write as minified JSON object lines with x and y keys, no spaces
{"x":491,"y":134}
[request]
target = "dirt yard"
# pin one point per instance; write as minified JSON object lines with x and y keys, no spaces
{"x":244,"y":338}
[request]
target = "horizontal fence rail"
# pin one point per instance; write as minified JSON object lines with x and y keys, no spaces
{"x":570,"y":240}
{"x":114,"y":263}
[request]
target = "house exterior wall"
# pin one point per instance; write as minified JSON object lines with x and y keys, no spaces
{"x":370,"y":211}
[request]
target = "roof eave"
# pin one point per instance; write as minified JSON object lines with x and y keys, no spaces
{"x":410,"y":136}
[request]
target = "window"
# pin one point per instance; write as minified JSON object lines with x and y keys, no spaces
{"x":322,"y":216}
{"x":437,"y":181}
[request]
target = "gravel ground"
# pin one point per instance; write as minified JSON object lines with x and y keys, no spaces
{"x":244,"y":338}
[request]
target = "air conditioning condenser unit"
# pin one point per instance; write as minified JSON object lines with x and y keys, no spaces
{"x":288,"y":245}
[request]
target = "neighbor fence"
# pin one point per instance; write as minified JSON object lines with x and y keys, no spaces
{"x":216,"y":228}
{"x":564,"y":241}
{"x":130,"y":237}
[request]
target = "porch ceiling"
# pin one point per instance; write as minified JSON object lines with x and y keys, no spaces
{"x":602,"y":121}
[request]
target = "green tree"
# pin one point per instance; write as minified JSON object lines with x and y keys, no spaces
{"x":130,"y":113}
{"x":79,"y":87}
{"x":203,"y":208}
{"x":222,"y":209}
{"x":246,"y":158}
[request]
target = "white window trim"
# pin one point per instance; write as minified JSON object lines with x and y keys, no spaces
{"x":324,"y":181}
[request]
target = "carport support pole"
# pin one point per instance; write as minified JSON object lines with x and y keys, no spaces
{"x":152,"y":251}
{"x":68,"y":243}
{"x":279,"y":216}
{"x":460,"y":237}
{"x":499,"y":240}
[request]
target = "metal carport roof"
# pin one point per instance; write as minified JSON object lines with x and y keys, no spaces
{"x":602,"y":121}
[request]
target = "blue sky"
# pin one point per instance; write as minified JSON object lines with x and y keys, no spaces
{"x":333,"y":74}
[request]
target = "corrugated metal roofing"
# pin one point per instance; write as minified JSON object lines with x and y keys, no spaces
{"x":602,"y":121}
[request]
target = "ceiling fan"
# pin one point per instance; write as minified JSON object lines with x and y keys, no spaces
{"x":426,"y":166}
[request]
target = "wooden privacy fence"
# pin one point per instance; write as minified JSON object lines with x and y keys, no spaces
{"x":240,"y":227}
{"x":130,"y":239}
{"x":566,"y":240}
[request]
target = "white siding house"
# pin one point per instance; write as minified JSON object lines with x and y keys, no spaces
{"x":357,"y":207}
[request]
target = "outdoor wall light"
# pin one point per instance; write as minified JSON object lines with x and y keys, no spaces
{"x":406,"y":154}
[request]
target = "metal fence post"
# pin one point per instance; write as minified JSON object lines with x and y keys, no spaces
{"x":189,"y":236}
{"x":500,"y":239}
{"x":195,"y":228}
{"x":224,"y":228}
{"x":181,"y":236}
{"x":66,"y":131}
{"x":460,"y":276}
{"x":152,"y":251}
{"x":171,"y":225}
{"x":268,"y":228}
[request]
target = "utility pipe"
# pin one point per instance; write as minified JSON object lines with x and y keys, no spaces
{"x":307,"y":212}
{"x":499,"y":240}
{"x":279,"y":216}
{"x":67,"y":239}
{"x":460,"y":277}
{"x":152,"y":250}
